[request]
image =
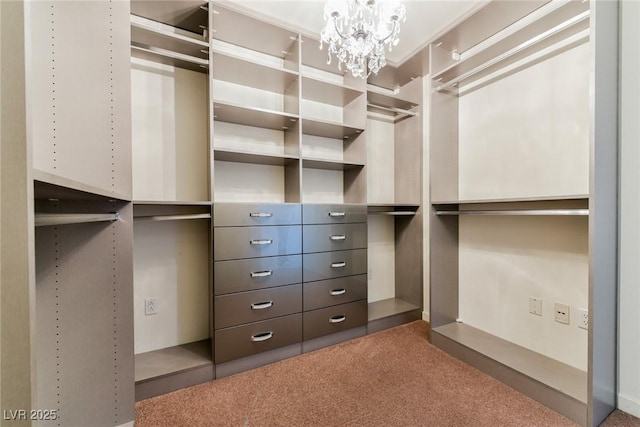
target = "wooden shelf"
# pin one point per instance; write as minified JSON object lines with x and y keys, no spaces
{"x":241,"y":30}
{"x":172,"y":360}
{"x":167,"y":57}
{"x":158,"y":211}
{"x":253,"y":116}
{"x":554,"y":374}
{"x":236,"y":69}
{"x":329,"y":129}
{"x":389,"y":307}
{"x":327,"y":164}
{"x":253,"y":158}
{"x":150,"y":33}
{"x":378,"y":98}
{"x":48,"y":186}
{"x":327,"y":92}
{"x":184,"y":14}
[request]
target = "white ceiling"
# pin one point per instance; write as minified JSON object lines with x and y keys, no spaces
{"x":425,"y":19}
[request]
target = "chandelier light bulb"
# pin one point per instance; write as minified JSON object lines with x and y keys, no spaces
{"x":357,"y":32}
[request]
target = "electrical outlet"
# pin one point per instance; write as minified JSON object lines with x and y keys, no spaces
{"x":150,"y":306}
{"x":561,"y":313}
{"x":583,"y":318}
{"x":535,"y":306}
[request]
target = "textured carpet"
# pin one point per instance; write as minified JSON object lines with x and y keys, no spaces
{"x":392,"y":378}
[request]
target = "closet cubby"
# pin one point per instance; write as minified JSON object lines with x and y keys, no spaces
{"x":394,"y":175}
{"x":518,"y":197}
{"x":172,"y":190}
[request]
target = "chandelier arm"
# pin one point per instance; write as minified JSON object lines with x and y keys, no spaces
{"x":393,"y":30}
{"x":335,"y":25}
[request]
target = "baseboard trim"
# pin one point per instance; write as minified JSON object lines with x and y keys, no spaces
{"x":425,"y":316}
{"x":129,"y":424}
{"x":629,"y":405}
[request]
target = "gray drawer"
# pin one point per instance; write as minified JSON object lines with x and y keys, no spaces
{"x":256,"y":273}
{"x":333,"y":237}
{"x":253,"y":306}
{"x":252,"y":242}
{"x":253,"y":214}
{"x":326,"y":293}
{"x":329,"y":265}
{"x":334,"y":319}
{"x":245,"y":340}
{"x":333,"y":214}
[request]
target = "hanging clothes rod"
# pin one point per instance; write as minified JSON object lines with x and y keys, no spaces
{"x":42,"y":220}
{"x":172,"y":217}
{"x":521,"y":212}
{"x":531,"y":42}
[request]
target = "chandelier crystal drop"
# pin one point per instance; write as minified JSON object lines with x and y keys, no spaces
{"x":357,"y":32}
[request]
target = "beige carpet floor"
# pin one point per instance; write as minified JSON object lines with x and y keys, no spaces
{"x":392,"y":378}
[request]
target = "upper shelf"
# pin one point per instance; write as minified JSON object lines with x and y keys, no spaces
{"x":540,"y":29}
{"x":329,"y":129}
{"x":48,"y":186}
{"x":236,"y":69}
{"x":241,"y":30}
{"x":150,"y":33}
{"x":328,"y":92}
{"x":533,"y":206}
{"x":189,"y":15}
{"x":252,"y":116}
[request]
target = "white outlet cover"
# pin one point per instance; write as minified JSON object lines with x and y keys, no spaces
{"x":150,"y":306}
{"x":535,"y":306}
{"x":582,"y":318}
{"x":561,"y":313}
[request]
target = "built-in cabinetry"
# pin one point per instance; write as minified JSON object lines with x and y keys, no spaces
{"x":523,"y":199}
{"x":250,"y":195}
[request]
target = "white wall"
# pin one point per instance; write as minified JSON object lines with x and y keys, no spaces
{"x":629,"y":315}
{"x":527,"y":135}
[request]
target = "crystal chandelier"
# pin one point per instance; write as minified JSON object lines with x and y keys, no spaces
{"x":357,"y":31}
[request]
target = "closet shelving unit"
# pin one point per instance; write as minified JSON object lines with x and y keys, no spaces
{"x":172,"y":205}
{"x":396,"y":99}
{"x":472,"y":56}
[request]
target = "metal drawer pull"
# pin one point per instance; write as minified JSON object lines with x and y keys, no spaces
{"x":261,"y":305}
{"x":261,"y":242}
{"x":338,"y":264}
{"x":260,"y":214}
{"x":337,"y":214}
{"x":261,"y":273}
{"x":338,"y":237}
{"x":262,"y":336}
{"x":336,"y":292}
{"x":337,"y":319}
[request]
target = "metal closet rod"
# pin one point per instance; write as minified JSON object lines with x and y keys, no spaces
{"x":392,"y":109}
{"x":521,"y":212}
{"x":531,"y":42}
{"x":42,"y":220}
{"x":172,"y":217}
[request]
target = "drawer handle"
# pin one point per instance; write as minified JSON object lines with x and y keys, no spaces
{"x":260,"y":214}
{"x":261,"y":305}
{"x":260,"y":242}
{"x":337,"y":214}
{"x":337,"y":319}
{"x":336,"y":292}
{"x":338,"y":264}
{"x":261,"y":273}
{"x":338,"y":237}
{"x":262,"y":336}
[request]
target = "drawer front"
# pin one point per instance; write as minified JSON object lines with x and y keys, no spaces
{"x":253,"y":242}
{"x":329,"y":265}
{"x":326,"y":293}
{"x":255,"y":214}
{"x":256,"y":273}
{"x":253,"y":306}
{"x":333,"y":214}
{"x":333,"y":237}
{"x":240,"y":341}
{"x":334,"y":319}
